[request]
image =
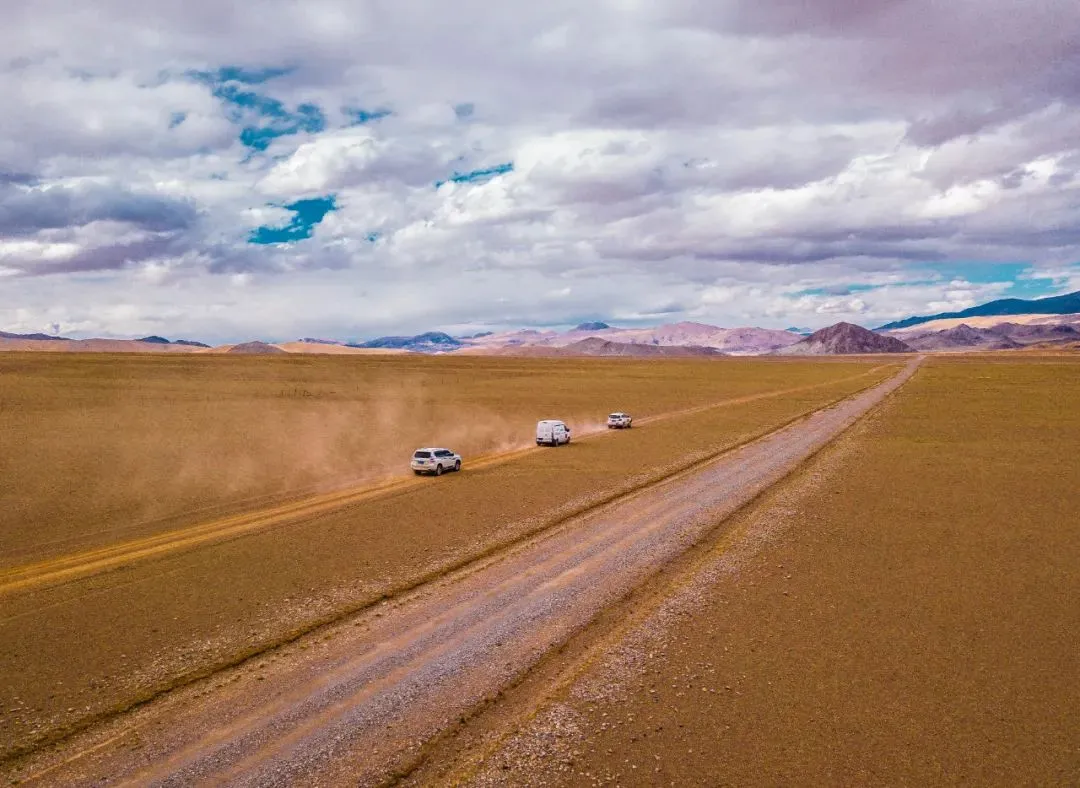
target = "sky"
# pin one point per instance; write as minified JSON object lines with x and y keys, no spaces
{"x":349,"y":169}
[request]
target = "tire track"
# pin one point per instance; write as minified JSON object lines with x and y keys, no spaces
{"x":63,"y":569}
{"x":360,"y":705}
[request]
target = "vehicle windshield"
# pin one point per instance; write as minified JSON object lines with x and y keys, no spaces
{"x":422,"y":455}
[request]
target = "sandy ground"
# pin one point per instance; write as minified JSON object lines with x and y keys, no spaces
{"x":902,"y":611}
{"x":356,"y":702}
{"x":319,"y":348}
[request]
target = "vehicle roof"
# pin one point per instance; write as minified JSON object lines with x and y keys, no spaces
{"x":551,"y":421}
{"x":617,"y":413}
{"x":433,"y":448}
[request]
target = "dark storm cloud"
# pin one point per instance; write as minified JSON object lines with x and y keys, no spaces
{"x":16,"y":178}
{"x":24,"y":211}
{"x":111,"y":257}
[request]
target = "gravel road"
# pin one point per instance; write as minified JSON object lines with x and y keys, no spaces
{"x":357,"y":703}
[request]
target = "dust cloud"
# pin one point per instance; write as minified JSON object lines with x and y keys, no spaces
{"x":121,"y":467}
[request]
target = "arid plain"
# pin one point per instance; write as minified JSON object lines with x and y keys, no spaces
{"x":132,"y":457}
{"x":171,"y":524}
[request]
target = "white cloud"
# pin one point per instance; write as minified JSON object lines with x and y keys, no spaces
{"x":677,"y":160}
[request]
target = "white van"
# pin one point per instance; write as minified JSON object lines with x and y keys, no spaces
{"x":552,"y":432}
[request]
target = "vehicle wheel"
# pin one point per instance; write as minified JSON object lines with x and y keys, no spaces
{"x":457,"y":465}
{"x":418,"y":473}
{"x":438,"y":470}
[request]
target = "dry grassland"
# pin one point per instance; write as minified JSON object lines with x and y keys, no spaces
{"x":100,"y":448}
{"x":94,"y":446}
{"x":903,"y":611}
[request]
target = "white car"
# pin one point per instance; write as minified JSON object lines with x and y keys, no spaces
{"x":435,"y":461}
{"x":552,"y":432}
{"x":619,"y":421}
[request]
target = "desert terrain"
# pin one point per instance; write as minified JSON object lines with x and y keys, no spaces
{"x":166,"y":516}
{"x":899,"y":611}
{"x":790,"y":570}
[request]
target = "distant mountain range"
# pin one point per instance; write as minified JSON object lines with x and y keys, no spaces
{"x":595,"y":346}
{"x":151,"y":340}
{"x":1053,"y":305}
{"x":42,"y":337}
{"x":962,"y":337}
{"x":731,"y":341}
{"x":163,"y":341}
{"x":1001,"y":336}
{"x":428,"y":342}
{"x":738,"y":341}
{"x":1053,"y":321}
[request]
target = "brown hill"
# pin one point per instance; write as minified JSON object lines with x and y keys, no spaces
{"x":1027,"y":334}
{"x":1055,"y":346}
{"x":595,"y":346}
{"x":963,"y":337}
{"x":844,"y":339}
{"x":256,"y":348}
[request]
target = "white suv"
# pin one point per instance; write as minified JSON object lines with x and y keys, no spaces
{"x":435,"y":461}
{"x":619,"y":421}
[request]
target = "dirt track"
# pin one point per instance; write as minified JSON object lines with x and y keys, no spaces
{"x":901,"y":610}
{"x":359,"y":701}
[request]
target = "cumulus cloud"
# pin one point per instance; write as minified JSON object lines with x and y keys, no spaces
{"x":483,"y":165}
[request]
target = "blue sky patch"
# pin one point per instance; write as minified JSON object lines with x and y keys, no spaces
{"x":250,"y":100}
{"x":306,"y":215}
{"x":476,"y":176}
{"x":176,"y":119}
{"x":1017,"y":275}
{"x":358,"y":117}
{"x":246,"y":76}
{"x":229,"y":84}
{"x":1021,"y":284}
{"x":307,"y":117}
{"x":978,"y":272}
{"x":464,"y":110}
{"x":836,"y":290}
